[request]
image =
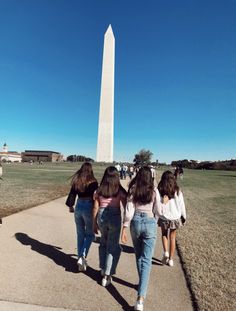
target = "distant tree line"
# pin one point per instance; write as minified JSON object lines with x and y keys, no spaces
{"x":228,"y":165}
{"x":78,"y":158}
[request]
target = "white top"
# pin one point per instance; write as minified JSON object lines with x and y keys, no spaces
{"x":173,"y":209}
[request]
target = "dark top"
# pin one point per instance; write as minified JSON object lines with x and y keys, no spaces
{"x":88,"y":193}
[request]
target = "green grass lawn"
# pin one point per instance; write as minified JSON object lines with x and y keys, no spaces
{"x":26,"y":185}
{"x":206,"y":244}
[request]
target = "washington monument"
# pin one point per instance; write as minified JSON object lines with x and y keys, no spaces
{"x":106,"y":113}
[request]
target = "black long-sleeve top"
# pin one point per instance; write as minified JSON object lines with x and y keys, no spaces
{"x":88,"y":193}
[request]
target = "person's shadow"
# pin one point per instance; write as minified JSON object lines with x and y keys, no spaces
{"x":124,"y":248}
{"x":70,"y":264}
{"x":53,"y":252}
{"x":156,"y":261}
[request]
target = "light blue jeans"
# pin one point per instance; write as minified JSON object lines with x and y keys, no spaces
{"x":84,"y":226}
{"x":109,"y":222}
{"x":143,"y":231}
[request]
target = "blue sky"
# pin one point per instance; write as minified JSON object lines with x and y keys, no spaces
{"x":175,"y":76}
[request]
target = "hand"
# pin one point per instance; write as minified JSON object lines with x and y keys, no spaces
{"x":71,"y":209}
{"x":165,"y":199}
{"x":95,"y":227}
{"x":183,"y":220}
{"x":124,"y":239}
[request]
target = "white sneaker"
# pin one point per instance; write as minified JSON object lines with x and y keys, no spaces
{"x":138,"y":305}
{"x":82,"y":264}
{"x":106,"y":281}
{"x":165,"y":258}
{"x":171,"y":263}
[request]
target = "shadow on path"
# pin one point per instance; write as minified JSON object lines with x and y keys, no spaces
{"x":53,"y":252}
{"x":125,"y":283}
{"x":156,"y":261}
{"x":125,"y":248}
{"x":70,"y":264}
{"x":114,"y":292}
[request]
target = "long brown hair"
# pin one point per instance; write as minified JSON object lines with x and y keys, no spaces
{"x":110,"y":183}
{"x":83,"y":177}
{"x":142,"y":186}
{"x":168,"y":185}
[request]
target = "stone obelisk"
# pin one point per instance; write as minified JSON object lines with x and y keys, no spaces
{"x":106,"y":113}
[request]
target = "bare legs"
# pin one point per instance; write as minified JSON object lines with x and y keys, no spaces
{"x":166,"y":239}
{"x":172,"y":242}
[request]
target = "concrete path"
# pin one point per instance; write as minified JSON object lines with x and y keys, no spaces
{"x":38,"y":270}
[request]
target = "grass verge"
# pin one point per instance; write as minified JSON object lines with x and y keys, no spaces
{"x":206,"y":244}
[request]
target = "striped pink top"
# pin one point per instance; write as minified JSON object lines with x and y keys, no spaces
{"x":112,"y":201}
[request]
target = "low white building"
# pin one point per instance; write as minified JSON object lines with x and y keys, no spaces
{"x":9,"y":156}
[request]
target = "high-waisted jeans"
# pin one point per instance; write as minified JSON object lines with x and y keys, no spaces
{"x":84,"y":226}
{"x":109,"y":222}
{"x":143,"y":231}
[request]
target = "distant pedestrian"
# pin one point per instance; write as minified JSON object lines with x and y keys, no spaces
{"x":153,"y":171}
{"x":140,"y":214}
{"x":171,"y":212}
{"x":0,"y":171}
{"x":83,"y":186}
{"x":181,"y":172}
{"x":107,"y":218}
{"x":130,"y":171}
{"x":176,"y":172}
{"x":137,"y":168}
{"x":123,"y":171}
{"x":118,"y":167}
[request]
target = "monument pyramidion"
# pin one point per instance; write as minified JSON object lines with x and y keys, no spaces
{"x":106,"y":114}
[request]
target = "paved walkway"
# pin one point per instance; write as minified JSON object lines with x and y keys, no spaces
{"x":38,"y":270}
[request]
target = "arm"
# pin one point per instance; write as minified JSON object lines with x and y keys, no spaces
{"x":70,"y":201}
{"x":128,"y":215}
{"x":182,"y":205}
{"x":95,"y":213}
{"x":124,"y":235}
{"x":157,"y":206}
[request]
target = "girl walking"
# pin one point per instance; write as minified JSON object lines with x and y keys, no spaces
{"x":140,"y":215}
{"x":107,"y":218}
{"x":171,"y":212}
{"x":83,"y":185}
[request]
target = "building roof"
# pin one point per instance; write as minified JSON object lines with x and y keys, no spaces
{"x":42,"y":151}
{"x":11,"y":153}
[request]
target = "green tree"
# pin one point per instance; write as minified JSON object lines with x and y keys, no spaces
{"x":71,"y":158}
{"x":143,"y":157}
{"x":79,"y":158}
